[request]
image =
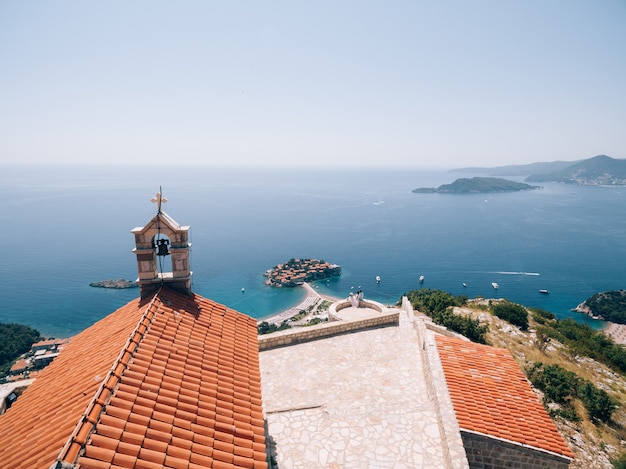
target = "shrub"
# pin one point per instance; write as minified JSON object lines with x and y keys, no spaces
{"x":434,"y":301}
{"x":541,"y":315}
{"x":437,"y":305}
{"x":511,"y":312}
{"x":583,"y":340}
{"x":620,"y":462}
{"x":598,"y":403}
{"x":267,"y":328}
{"x":556,"y":382}
{"x":561,"y":387}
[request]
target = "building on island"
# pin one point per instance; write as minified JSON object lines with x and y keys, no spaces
{"x":176,"y":380}
{"x":297,"y":271}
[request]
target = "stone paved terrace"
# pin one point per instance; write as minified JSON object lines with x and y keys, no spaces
{"x":366,"y":399}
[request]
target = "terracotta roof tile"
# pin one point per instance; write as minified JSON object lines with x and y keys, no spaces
{"x":171,"y":381}
{"x":491,"y":395}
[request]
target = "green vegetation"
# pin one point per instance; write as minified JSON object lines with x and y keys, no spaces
{"x":600,"y":169}
{"x":620,"y":462}
{"x":15,"y":340}
{"x":323,"y":306}
{"x":542,"y":316}
{"x":267,"y":328}
{"x":562,"y":387}
{"x":511,"y":312}
{"x":438,"y":305}
{"x":580,"y":339}
{"x":610,"y":305}
{"x":313,"y":322}
{"x":478,"y":184}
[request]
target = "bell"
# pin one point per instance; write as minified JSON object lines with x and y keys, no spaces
{"x":162,"y":249}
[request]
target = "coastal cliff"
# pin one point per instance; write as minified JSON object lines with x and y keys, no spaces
{"x":608,"y":306}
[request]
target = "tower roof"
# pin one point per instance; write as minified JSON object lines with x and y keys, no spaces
{"x":161,"y":217}
{"x":169,"y":381}
{"x":492,"y":396}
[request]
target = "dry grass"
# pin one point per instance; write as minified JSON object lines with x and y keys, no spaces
{"x":593,"y":445}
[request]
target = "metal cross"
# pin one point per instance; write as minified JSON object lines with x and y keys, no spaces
{"x":158,"y":198}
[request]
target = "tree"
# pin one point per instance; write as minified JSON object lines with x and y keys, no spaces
{"x":511,"y":312}
{"x":438,"y":304}
{"x":15,"y":339}
{"x":542,"y":339}
{"x":598,"y":403}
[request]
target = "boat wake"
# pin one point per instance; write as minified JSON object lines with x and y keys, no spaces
{"x":518,"y":273}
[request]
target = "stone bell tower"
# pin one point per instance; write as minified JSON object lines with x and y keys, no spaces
{"x":159,"y":238}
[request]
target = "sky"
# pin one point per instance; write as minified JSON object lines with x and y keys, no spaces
{"x":339,"y":83}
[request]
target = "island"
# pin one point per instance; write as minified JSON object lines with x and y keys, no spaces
{"x":295,"y":272}
{"x":608,"y":306}
{"x":119,"y":283}
{"x":477,"y":185}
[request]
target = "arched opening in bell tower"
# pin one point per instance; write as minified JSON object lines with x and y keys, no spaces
{"x":162,"y":244}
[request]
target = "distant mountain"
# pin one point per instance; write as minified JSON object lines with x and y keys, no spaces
{"x":599,"y":170}
{"x":519,"y":169}
{"x":477,"y":185}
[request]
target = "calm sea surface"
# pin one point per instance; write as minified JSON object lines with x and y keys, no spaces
{"x":66,"y":227}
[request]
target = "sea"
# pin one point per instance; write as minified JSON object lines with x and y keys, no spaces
{"x":64,"y":227}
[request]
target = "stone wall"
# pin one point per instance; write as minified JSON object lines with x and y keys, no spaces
{"x":452,"y":444}
{"x":306,"y":334}
{"x":336,"y":307}
{"x":489,"y":452}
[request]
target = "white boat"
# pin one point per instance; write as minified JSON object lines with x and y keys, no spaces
{"x":495,"y":285}
{"x":421,"y":279}
{"x":545,"y":292}
{"x":378,"y":279}
{"x":464,"y":284}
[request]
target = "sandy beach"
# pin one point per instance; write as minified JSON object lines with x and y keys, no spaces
{"x":617,"y":332}
{"x":312,"y":298}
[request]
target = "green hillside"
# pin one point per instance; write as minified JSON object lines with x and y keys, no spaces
{"x":599,"y":170}
{"x":478,"y":185}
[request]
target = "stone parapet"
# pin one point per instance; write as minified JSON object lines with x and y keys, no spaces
{"x":306,"y":334}
{"x":453,"y":453}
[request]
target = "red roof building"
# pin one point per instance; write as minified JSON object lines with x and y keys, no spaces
{"x":170,"y":380}
{"x":493,"y":399}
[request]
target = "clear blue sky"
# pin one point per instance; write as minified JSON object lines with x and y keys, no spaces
{"x":336,"y":83}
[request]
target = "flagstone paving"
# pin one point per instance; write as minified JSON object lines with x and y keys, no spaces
{"x":358,"y":400}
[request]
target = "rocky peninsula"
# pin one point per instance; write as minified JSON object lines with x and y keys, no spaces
{"x":295,"y":272}
{"x":607,"y":305}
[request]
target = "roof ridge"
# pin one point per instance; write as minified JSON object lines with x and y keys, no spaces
{"x":91,"y":416}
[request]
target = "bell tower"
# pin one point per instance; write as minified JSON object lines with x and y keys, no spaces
{"x":160,"y":238}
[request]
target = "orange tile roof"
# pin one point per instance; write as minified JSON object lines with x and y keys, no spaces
{"x":172,"y":382}
{"x":491,"y":395}
{"x":19,"y":365}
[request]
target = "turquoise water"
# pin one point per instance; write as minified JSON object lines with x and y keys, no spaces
{"x":67,"y":227}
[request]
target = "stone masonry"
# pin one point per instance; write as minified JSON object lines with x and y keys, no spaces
{"x":359,"y":400}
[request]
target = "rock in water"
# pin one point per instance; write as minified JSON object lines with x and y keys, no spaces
{"x":117,"y":283}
